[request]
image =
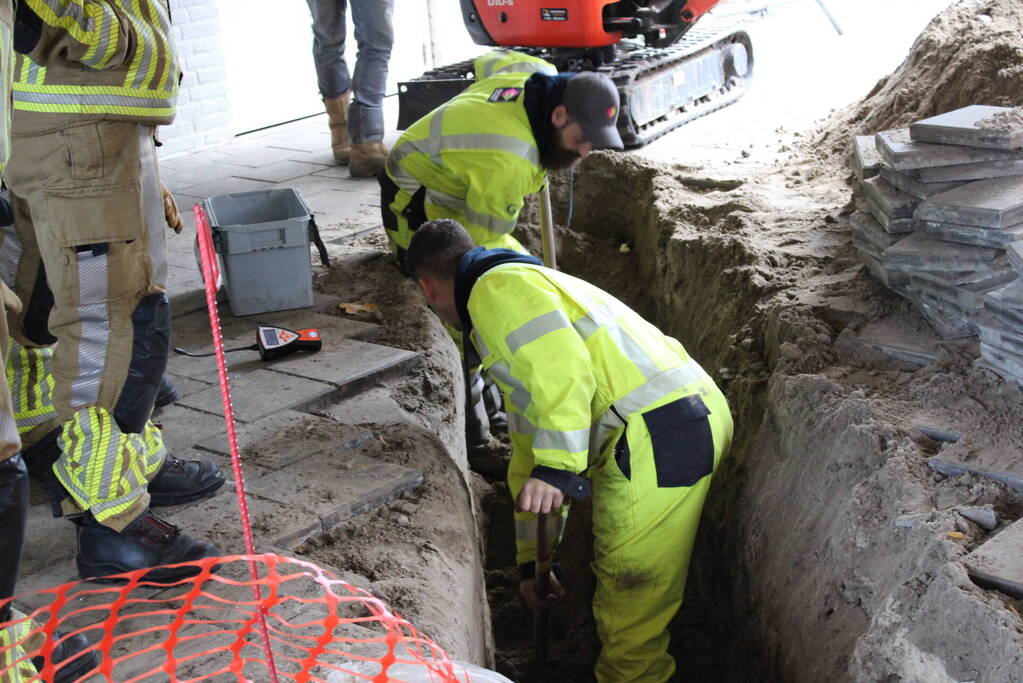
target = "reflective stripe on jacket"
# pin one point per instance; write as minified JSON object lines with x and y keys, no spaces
{"x":564,"y":353}
{"x":475,"y":155}
{"x":503,"y":61}
{"x":95,"y":60}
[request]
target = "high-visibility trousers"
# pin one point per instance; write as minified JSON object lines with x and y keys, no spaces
{"x":649,"y":485}
{"x":88,"y":207}
{"x":648,"y":492}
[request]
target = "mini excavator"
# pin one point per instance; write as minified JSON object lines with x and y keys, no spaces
{"x":667,"y":71}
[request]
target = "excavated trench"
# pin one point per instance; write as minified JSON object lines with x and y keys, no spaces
{"x":828,"y":550}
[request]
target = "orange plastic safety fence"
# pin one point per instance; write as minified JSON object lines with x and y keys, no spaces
{"x":206,"y":628}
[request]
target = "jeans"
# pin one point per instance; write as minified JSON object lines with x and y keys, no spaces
{"x":374,"y":36}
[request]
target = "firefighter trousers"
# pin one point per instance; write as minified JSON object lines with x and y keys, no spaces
{"x":88,"y":212}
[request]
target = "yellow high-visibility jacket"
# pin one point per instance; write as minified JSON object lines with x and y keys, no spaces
{"x":475,"y":155}
{"x":573,"y":363}
{"x":96,"y":60}
{"x":503,"y":61}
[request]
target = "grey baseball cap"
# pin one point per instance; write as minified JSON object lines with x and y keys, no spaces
{"x":592,"y":101}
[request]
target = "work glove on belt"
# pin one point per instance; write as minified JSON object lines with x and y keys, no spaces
{"x":170,"y":210}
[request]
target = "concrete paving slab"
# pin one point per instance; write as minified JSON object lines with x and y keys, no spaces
{"x":338,"y":486}
{"x":902,"y":153}
{"x":228,"y":185}
{"x":183,"y":427}
{"x":1011,"y":295}
{"x":967,"y":172}
{"x":865,"y":158}
{"x":998,"y":563}
{"x":261,"y":392}
{"x":969,"y":234}
{"x":967,"y":297}
{"x":371,"y":407}
{"x":913,"y":186}
{"x":269,"y":443}
{"x":919,"y":252}
{"x":865,"y":247}
{"x":186,"y":386}
{"x":281,"y":171}
{"x":883,"y":274}
{"x":994,"y":333}
{"x":991,"y":203}
{"x":892,"y":201}
{"x":948,"y":323}
{"x":347,"y":363}
{"x":977,"y":125}
{"x":896,"y":226}
{"x":217,"y":520}
{"x":364,"y":185}
{"x":1008,"y":315}
{"x":1014,"y":252}
{"x":989,"y":362}
{"x":866,"y":228}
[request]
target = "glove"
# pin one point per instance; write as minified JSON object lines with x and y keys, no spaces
{"x":170,"y":210}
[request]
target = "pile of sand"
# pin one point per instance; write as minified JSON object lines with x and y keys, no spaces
{"x":970,"y":54}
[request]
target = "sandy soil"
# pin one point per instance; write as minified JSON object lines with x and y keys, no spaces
{"x":829,"y":550}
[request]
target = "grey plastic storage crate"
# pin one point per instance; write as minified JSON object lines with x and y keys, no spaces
{"x":263,"y":241}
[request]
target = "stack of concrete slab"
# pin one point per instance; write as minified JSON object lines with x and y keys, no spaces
{"x":939,"y":202}
{"x":1001,"y":323}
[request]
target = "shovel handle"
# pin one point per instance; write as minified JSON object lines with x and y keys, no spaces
{"x":541,"y":619}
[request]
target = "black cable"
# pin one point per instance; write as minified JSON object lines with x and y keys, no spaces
{"x":185,"y":352}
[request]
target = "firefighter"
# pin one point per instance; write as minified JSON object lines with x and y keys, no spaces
{"x":91,"y":83}
{"x":598,"y":400}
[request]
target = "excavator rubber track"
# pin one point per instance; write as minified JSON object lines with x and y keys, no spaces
{"x":660,"y":88}
{"x":663,"y":88}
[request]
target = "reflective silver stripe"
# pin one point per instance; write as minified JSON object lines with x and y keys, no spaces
{"x":92,"y":100}
{"x":525,"y":530}
{"x":492,"y":223}
{"x":34,"y":71}
{"x":107,"y":431}
{"x":147,"y":41}
{"x":152,"y":205}
{"x":480,"y":345}
{"x":664,"y":383}
{"x":536,"y":328}
{"x":67,"y":9}
{"x":518,"y":424}
{"x":597,"y":316}
{"x":436,"y":134}
{"x":437,"y":142}
{"x":95,"y":329}
{"x":131,"y":478}
{"x":575,"y":441}
{"x":520,"y":396}
{"x":104,"y":42}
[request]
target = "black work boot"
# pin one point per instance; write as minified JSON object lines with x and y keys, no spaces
{"x":183,"y":481}
{"x":147,"y":542}
{"x":166,"y":394}
{"x":65,"y":651}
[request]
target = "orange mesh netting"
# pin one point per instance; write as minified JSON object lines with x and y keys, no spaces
{"x":207,"y":628}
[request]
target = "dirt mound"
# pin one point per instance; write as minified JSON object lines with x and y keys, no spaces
{"x":972,"y":53}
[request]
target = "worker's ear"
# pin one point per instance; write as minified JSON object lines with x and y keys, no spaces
{"x":430,"y":289}
{"x":559,"y":117}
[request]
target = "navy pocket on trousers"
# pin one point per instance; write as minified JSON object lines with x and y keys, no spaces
{"x":681,"y":439}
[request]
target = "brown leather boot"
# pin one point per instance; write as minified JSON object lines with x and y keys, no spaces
{"x":367,"y":159}
{"x":337,"y":118}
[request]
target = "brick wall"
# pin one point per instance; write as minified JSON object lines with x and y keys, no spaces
{"x":204,"y":110}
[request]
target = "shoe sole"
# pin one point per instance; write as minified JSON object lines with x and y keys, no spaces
{"x":157,"y":500}
{"x":102,"y":574}
{"x":76,"y":668}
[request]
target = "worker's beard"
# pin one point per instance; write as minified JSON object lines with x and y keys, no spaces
{"x":555,"y":156}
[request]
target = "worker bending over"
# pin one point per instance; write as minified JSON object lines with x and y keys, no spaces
{"x":597,"y":397}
